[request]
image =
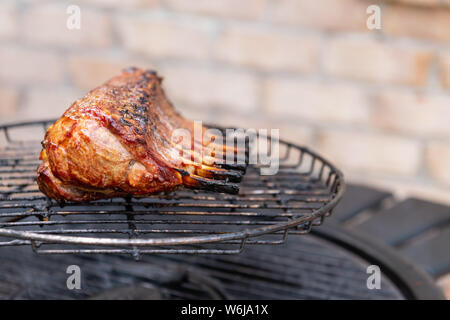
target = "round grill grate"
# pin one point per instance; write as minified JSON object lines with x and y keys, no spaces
{"x":266,"y":210}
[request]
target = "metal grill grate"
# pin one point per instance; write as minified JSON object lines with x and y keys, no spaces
{"x":266,"y":210}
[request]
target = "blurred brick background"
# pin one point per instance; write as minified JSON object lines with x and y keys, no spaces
{"x":377,"y":103}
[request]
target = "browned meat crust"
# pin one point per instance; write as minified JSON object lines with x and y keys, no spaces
{"x":117,"y":141}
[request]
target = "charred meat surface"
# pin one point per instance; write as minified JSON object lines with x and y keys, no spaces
{"x":118,"y":141}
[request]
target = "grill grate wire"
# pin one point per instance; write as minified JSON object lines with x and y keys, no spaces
{"x":267,"y":208}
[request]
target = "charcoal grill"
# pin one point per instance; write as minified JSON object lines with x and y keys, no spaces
{"x":266,"y":210}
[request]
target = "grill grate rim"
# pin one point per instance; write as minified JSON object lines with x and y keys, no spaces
{"x":265,"y":211}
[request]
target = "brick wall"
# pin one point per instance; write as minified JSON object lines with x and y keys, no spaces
{"x":377,"y":103}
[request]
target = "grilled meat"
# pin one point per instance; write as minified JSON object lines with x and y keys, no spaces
{"x":118,"y":141}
